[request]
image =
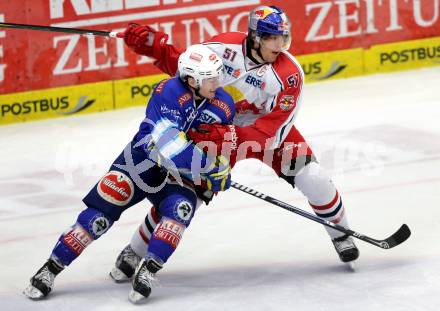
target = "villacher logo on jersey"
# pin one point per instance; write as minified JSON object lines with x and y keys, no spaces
{"x":116,"y":187}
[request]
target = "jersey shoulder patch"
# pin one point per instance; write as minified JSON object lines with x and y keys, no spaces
{"x":172,"y":91}
{"x":228,"y":38}
{"x":224,"y":103}
{"x":160,"y":86}
{"x":288,"y":70}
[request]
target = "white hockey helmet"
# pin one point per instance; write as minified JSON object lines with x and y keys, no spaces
{"x":199,"y":62}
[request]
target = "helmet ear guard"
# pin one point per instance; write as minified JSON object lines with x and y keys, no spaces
{"x":200,"y":63}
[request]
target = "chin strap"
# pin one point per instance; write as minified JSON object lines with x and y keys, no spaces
{"x":249,"y":52}
{"x":197,"y":93}
{"x":259,"y":53}
{"x":196,"y":90}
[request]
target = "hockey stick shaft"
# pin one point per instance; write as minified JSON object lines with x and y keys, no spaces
{"x":398,"y":237}
{"x":61,"y":29}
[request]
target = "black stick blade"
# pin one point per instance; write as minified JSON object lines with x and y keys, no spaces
{"x":398,"y":237}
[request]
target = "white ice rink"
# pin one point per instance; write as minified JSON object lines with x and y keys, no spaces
{"x":378,"y":136}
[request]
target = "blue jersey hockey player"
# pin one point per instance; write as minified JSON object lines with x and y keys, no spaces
{"x":159,"y":164}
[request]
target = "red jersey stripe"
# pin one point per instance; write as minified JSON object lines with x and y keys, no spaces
{"x":154,"y":215}
{"x":143,"y":236}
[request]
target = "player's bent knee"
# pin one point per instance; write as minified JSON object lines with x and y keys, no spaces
{"x":95,"y":222}
{"x":296,"y":166}
{"x":178,"y":208}
{"x":315,"y":184}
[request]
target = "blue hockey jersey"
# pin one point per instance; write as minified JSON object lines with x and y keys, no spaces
{"x":170,"y":113}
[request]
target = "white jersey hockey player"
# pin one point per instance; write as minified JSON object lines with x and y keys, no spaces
{"x":266,"y":82}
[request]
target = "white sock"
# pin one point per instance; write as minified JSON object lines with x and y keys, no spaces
{"x":322,"y":195}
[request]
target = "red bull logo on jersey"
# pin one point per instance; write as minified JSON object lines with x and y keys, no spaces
{"x":287,"y":102}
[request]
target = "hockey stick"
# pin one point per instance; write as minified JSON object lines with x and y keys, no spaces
{"x":61,"y":29}
{"x":397,"y":238}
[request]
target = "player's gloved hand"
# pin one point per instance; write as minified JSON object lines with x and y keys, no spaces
{"x":224,"y":136}
{"x":218,"y":176}
{"x":144,"y":40}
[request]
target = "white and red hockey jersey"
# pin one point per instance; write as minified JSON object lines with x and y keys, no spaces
{"x":267,"y":97}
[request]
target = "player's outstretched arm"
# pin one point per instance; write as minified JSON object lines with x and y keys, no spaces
{"x":144,"y":40}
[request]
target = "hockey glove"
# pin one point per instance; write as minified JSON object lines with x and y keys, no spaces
{"x":226,"y":137}
{"x":218,"y":176}
{"x":144,"y":40}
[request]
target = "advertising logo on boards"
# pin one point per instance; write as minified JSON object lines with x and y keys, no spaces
{"x":58,"y":104}
{"x":315,"y":71}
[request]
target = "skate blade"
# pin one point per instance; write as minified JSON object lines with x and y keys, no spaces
{"x":118,"y":276}
{"x":136,"y":297}
{"x":33,"y":293}
{"x":351,"y":266}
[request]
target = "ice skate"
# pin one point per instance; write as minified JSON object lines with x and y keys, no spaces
{"x":346,"y":249}
{"x":144,"y":280}
{"x":42,"y":282}
{"x":125,"y":265}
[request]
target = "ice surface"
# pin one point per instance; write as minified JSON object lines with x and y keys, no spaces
{"x":378,"y":136}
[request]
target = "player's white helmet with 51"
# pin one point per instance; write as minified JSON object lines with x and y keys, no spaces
{"x":270,"y":20}
{"x":199,"y":62}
